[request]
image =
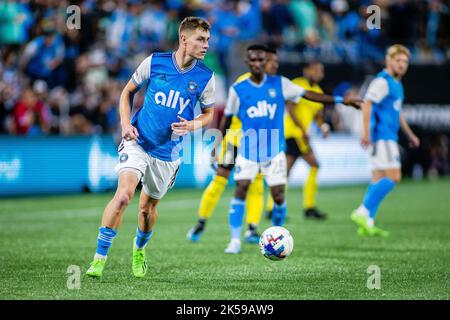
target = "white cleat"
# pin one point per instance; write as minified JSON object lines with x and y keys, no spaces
{"x":234,"y":247}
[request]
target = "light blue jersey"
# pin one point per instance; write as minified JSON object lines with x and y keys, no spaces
{"x":386,"y":94}
{"x":260,"y":108}
{"x":170,"y":92}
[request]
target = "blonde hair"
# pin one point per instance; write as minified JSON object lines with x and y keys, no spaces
{"x":396,"y":49}
{"x":193,"y":23}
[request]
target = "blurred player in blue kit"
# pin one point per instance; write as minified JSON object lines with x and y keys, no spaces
{"x":382,"y":119}
{"x":151,"y":145}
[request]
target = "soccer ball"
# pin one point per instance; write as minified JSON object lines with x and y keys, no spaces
{"x":276,"y":243}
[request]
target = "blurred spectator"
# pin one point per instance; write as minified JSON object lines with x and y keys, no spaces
{"x":152,"y":27}
{"x":305,"y":16}
{"x":225,"y":28}
{"x":42,"y":57}
{"x":439,"y":153}
{"x":58,"y":102}
{"x":276,"y":19}
{"x":31,"y":116}
{"x":15,"y":21}
{"x":402,"y":27}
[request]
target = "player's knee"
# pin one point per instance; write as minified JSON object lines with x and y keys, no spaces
{"x":242,"y":189}
{"x":223,"y":172}
{"x":148,"y":212}
{"x":124,"y":198}
{"x":397,"y":178}
{"x":278,"y":197}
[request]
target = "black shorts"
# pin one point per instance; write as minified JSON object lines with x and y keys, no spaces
{"x":292,"y":148}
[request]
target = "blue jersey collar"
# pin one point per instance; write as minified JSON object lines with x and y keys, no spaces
{"x":258,"y":85}
{"x":178,"y":67}
{"x":390,"y":76}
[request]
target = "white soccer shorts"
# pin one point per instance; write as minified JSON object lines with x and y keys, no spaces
{"x":384,"y":155}
{"x":157,"y":176}
{"x":274,"y":171}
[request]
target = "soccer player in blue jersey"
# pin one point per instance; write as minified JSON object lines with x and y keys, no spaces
{"x":259,"y":103}
{"x":149,"y":152}
{"x":382,"y":119}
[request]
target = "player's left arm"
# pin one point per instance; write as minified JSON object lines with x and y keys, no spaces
{"x":184,"y":126}
{"x":292,"y":91}
{"x":324,"y":98}
{"x":413,"y":139}
{"x":207,"y":100}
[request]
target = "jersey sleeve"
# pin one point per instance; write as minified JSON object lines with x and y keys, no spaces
{"x":377,"y":91}
{"x":233,"y":102}
{"x":208,"y":96}
{"x":142,"y":72}
{"x":291,"y":91}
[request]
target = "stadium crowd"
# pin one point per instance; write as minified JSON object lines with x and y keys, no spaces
{"x":60,"y":79}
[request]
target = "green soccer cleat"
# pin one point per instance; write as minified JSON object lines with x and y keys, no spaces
{"x":96,"y":268}
{"x":366,"y":231}
{"x":139,"y":265}
{"x":359,"y":220}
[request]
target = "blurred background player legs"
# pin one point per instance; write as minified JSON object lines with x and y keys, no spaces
{"x":214,"y":190}
{"x":383,"y":182}
{"x":254,"y":208}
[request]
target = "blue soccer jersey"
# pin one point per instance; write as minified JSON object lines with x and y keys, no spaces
{"x":170,"y":92}
{"x":260,"y":108}
{"x":386,"y":95}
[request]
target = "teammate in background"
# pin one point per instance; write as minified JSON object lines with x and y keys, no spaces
{"x":297,"y":140}
{"x":381,"y":120}
{"x":259,"y":103}
{"x":226,"y":162}
{"x":151,"y":142}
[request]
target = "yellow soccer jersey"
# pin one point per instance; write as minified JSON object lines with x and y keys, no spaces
{"x":234,"y":133}
{"x":305,"y":110}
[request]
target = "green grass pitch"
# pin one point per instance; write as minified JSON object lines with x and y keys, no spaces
{"x":41,"y":237}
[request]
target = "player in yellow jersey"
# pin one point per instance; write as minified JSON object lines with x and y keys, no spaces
{"x":297,"y":141}
{"x":225,"y":160}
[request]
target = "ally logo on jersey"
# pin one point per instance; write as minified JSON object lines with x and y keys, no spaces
{"x":262,"y":109}
{"x":172,"y":100}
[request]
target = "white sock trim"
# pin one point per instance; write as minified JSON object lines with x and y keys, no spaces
{"x":363,"y":211}
{"x":99,"y":256}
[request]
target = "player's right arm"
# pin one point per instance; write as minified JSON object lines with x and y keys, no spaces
{"x":366,"y":110}
{"x":376,"y":92}
{"x":129,"y":132}
{"x":139,"y":77}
